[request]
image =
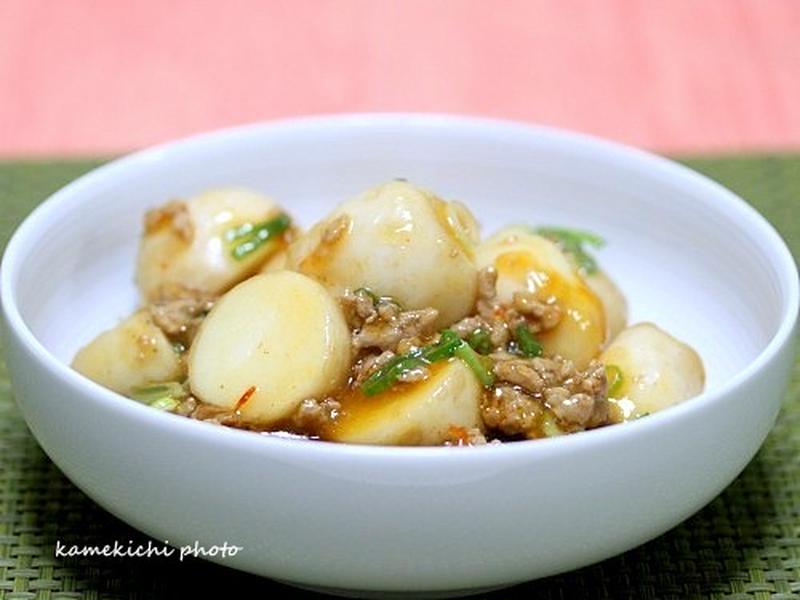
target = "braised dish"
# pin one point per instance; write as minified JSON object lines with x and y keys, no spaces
{"x":388,"y":322}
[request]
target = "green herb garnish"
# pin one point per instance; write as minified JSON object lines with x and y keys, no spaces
{"x":444,"y":348}
{"x":389,"y":374}
{"x":480,"y":365}
{"x":615,"y":380}
{"x":164,"y":396}
{"x":449,"y":345}
{"x":480,"y":341}
{"x":572,"y":242}
{"x":167,"y":403}
{"x":527,"y":344}
{"x":247,"y":238}
{"x":385,"y":377}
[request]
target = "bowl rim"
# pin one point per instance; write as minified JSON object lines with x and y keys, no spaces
{"x":708,"y":190}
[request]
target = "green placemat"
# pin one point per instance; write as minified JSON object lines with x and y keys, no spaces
{"x":744,"y":545}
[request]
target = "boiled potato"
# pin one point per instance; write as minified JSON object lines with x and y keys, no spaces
{"x":400,"y":241}
{"x":414,"y":414}
{"x":529,"y":262}
{"x":185,"y":247}
{"x":614,"y":303}
{"x":657,"y":370}
{"x":268,"y":344}
{"x":133,"y":354}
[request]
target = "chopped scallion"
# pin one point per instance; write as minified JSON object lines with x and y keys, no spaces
{"x":449,"y":345}
{"x":247,"y":238}
{"x":572,"y":242}
{"x":480,"y":365}
{"x":385,"y":377}
{"x":444,"y":348}
{"x":163,"y":396}
{"x":480,"y":341}
{"x":167,"y":403}
{"x":527,"y":344}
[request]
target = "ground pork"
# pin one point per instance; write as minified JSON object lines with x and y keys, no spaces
{"x":382,"y":324}
{"x":487,"y":303}
{"x":468,"y":325}
{"x":500,"y":320}
{"x":358,"y":309}
{"x":540,"y":316}
{"x":510,"y":411}
{"x":582,"y":399}
{"x":529,"y":385}
{"x":497,"y":329}
{"x":489,"y":312}
{"x":312,"y":414}
{"x":386,"y":334}
{"x":180,"y":318}
{"x":310,"y":417}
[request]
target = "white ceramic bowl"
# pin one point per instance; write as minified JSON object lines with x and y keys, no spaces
{"x":689,"y":255}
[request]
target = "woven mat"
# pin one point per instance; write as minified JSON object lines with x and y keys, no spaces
{"x":744,"y":545}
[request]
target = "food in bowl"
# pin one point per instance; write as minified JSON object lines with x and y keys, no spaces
{"x":388,"y":322}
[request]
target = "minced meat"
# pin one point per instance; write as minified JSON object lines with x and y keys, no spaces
{"x":382,"y":324}
{"x":528,"y":386}
{"x":180,"y":318}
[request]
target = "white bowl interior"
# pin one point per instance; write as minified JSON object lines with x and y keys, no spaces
{"x":693,"y":267}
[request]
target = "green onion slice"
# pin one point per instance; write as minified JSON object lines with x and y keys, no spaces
{"x":572,"y":242}
{"x":527,"y":344}
{"x":480,"y":365}
{"x":480,"y":341}
{"x":444,"y":349}
{"x":246,"y":239}
{"x":449,"y":345}
{"x":164,"y":396}
{"x":385,"y":377}
{"x":166,"y":403}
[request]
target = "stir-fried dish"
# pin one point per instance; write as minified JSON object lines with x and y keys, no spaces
{"x":388,"y":322}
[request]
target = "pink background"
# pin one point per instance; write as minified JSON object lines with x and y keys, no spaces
{"x":91,"y":77}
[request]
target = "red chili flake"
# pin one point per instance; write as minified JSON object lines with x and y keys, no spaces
{"x":245,"y":397}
